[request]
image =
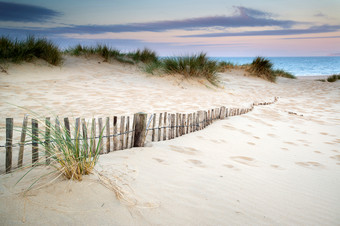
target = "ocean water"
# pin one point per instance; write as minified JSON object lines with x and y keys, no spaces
{"x":298,"y":66}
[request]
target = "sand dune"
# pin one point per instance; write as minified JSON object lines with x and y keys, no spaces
{"x":277,"y":165}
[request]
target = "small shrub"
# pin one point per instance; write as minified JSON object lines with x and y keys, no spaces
{"x":333,"y":78}
{"x":262,"y":67}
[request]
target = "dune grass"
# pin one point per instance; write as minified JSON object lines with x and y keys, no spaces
{"x":333,"y":78}
{"x":101,"y":50}
{"x":282,"y":73}
{"x":262,"y":67}
{"x":71,"y":157}
{"x":26,"y":50}
{"x":198,"y":65}
{"x":146,"y":56}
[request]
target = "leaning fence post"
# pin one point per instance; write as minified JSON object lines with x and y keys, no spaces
{"x":9,"y":138}
{"x":35,"y":138}
{"x":140,"y":130}
{"x":153,"y":127}
{"x":22,"y":141}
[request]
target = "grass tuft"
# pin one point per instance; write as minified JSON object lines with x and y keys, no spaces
{"x":192,"y":66}
{"x":17,"y":51}
{"x":333,"y":78}
{"x":72,"y":158}
{"x":282,"y":73}
{"x":262,"y":67}
{"x":146,"y":56}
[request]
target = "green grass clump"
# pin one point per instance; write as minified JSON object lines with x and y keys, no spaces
{"x":333,"y":78}
{"x":17,"y":51}
{"x":224,"y":66}
{"x":146,"y":56}
{"x":101,"y":50}
{"x":192,"y":66}
{"x":262,"y":67}
{"x":282,"y":73}
{"x":72,"y":157}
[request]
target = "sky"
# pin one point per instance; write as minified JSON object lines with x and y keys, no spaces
{"x":225,"y":28}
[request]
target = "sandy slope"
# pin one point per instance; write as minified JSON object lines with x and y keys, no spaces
{"x":267,"y":167}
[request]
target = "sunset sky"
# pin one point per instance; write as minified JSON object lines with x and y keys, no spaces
{"x":177,"y":27}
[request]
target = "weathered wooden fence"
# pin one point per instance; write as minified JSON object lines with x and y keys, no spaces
{"x":133,"y":132}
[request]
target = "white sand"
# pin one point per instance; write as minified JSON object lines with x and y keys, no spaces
{"x":267,"y":167}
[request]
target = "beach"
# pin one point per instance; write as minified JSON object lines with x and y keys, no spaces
{"x":276,"y":165}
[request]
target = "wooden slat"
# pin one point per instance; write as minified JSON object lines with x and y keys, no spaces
{"x":139,"y":129}
{"x":115,"y":140}
{"x":187,"y":129}
{"x":153,"y":127}
{"x":177,"y":124}
{"x":48,"y":140}
{"x":122,"y":129}
{"x":108,"y":139}
{"x":127,"y":129}
{"x":183,"y":124}
{"x":93,"y":136}
{"x":9,"y":140}
{"x":159,"y":127}
{"x":101,"y":143}
{"x":194,"y":121}
{"x":67,"y":127}
{"x":165,"y":125}
{"x":133,"y":126}
{"x":22,"y":141}
{"x":173,"y":119}
{"x":35,"y":139}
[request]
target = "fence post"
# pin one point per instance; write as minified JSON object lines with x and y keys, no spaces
{"x":122,"y":128}
{"x":22,"y":141}
{"x":140,"y":129}
{"x":115,"y":141}
{"x":159,"y":126}
{"x":9,"y":138}
{"x":107,"y":126}
{"x":35,"y":139}
{"x":153,"y":127}
{"x":47,"y":140}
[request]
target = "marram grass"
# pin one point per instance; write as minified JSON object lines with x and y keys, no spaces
{"x":71,"y":157}
{"x":26,"y":50}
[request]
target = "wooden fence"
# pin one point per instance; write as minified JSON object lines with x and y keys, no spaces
{"x":130,"y":132}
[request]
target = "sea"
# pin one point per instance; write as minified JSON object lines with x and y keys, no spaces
{"x":298,"y":66}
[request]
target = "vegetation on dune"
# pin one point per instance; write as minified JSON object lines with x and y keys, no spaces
{"x":333,"y":78}
{"x":192,"y":66}
{"x":282,"y":73}
{"x":72,"y":157}
{"x":26,"y":50}
{"x":146,"y":56}
{"x":262,"y":67}
{"x":101,"y":50}
{"x":197,"y":65}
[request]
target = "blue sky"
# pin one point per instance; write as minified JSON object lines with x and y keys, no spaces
{"x":220,"y":28}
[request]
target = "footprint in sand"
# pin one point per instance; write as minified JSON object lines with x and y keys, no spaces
{"x":277,"y":167}
{"x":160,"y":161}
{"x":310,"y":165}
{"x":244,"y":160}
{"x":336,"y":157}
{"x":184,"y":150}
{"x":251,"y":143}
{"x":230,"y":167}
{"x":195,"y":162}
